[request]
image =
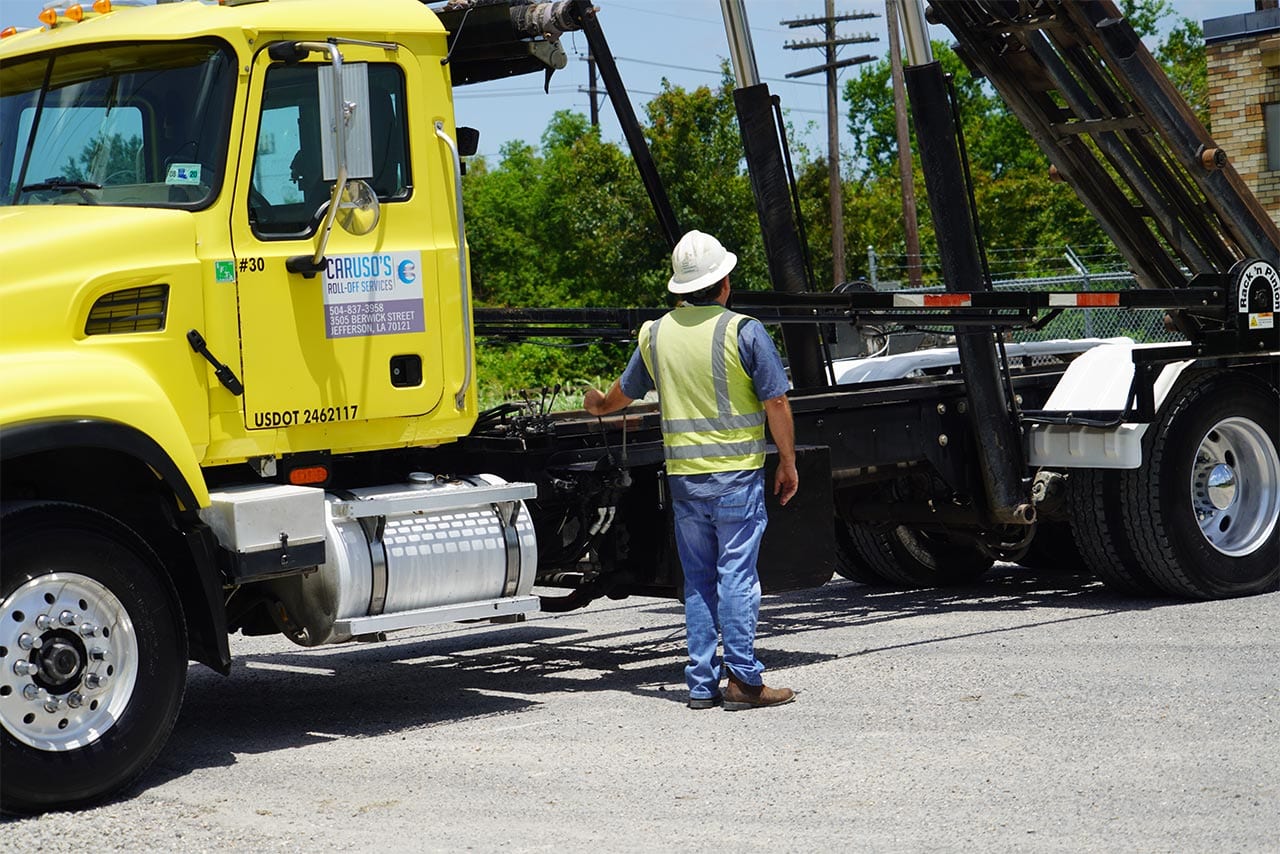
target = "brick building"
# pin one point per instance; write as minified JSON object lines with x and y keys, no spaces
{"x":1243,"y":58}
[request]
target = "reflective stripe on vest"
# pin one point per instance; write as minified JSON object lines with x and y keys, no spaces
{"x":711,"y":420}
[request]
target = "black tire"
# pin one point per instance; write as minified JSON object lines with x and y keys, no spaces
{"x":1097,"y":527}
{"x":113,"y":715}
{"x":1195,"y":537}
{"x":908,"y":557}
{"x":849,"y":562}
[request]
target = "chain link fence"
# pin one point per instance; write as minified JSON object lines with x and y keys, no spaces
{"x":1084,"y":272}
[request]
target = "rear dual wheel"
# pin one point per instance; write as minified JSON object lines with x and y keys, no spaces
{"x":1203,"y":512}
{"x":903,"y":556}
{"x":1097,"y":527}
{"x":849,"y":562}
{"x":1200,"y":518}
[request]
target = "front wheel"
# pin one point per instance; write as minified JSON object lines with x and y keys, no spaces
{"x":93,"y":657}
{"x":1203,"y":512}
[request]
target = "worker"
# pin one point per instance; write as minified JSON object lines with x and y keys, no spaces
{"x":719,"y":378}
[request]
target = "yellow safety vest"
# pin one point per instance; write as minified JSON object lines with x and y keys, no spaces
{"x":711,"y":418}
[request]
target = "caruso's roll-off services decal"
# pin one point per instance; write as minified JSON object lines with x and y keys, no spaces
{"x":377,"y":294}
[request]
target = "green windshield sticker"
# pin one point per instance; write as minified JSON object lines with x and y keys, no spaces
{"x":224,"y":271}
{"x":183,"y":173}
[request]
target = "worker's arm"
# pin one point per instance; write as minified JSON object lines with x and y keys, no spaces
{"x":786,"y":481}
{"x":602,"y":404}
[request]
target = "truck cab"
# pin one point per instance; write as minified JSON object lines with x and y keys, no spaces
{"x":235,"y":261}
{"x":117,"y":128}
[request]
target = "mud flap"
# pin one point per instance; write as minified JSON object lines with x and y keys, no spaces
{"x":799,"y":545}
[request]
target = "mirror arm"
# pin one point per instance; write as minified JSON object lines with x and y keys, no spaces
{"x":301,"y":263}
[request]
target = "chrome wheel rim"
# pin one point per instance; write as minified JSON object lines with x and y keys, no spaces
{"x":1235,"y":486}
{"x":68,"y":661}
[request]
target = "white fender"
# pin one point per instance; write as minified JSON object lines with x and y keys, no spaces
{"x":1099,"y":379}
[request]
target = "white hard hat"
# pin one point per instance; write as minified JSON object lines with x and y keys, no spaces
{"x":697,"y":262}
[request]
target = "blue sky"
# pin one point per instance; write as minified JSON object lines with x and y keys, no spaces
{"x":680,"y":40}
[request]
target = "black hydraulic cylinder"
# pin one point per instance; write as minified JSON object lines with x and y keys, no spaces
{"x":782,"y":246}
{"x":1000,"y":450}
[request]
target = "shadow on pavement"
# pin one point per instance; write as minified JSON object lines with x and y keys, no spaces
{"x":291,"y":698}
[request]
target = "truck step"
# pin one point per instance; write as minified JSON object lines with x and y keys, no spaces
{"x":435,"y":500}
{"x":481,"y":610}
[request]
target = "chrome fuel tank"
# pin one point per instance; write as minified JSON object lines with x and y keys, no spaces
{"x":418,"y":553}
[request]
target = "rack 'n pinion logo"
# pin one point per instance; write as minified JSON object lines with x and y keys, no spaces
{"x":1249,"y":277}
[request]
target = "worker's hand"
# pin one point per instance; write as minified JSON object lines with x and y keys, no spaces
{"x":786,"y":481}
{"x":593,"y":401}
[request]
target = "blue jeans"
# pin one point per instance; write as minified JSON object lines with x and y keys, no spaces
{"x":718,"y":540}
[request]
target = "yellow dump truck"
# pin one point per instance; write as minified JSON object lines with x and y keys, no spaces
{"x":237,"y":385}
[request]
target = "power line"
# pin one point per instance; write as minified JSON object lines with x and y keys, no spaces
{"x":512,"y":93}
{"x":615,"y":5}
{"x":706,"y":70}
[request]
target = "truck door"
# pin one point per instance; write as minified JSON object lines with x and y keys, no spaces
{"x":360,"y":340}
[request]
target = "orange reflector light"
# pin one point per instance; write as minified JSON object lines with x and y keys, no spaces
{"x":102,"y":7}
{"x":308,"y":475}
{"x":8,"y":31}
{"x":75,"y":12}
{"x":48,"y":16}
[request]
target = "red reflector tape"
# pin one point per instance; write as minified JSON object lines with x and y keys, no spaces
{"x":1085,"y":300}
{"x":947,"y":300}
{"x":932,"y":300}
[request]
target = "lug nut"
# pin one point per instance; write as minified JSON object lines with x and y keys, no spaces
{"x":32,"y":692}
{"x":95,"y":681}
{"x":68,"y":619}
{"x":75,"y":700}
{"x":51,"y":705}
{"x":29,"y":641}
{"x":44,"y":621}
{"x":22,"y":667}
{"x":99,"y":654}
{"x":88,"y":630}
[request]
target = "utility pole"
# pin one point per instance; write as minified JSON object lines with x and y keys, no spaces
{"x":829,"y":43}
{"x":593,"y":90}
{"x":909,"y":221}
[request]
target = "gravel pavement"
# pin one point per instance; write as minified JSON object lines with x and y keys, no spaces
{"x":1032,"y":712}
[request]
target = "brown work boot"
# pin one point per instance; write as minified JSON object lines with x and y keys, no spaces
{"x":739,"y":696}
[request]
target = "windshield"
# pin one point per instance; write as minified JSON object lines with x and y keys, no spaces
{"x":138,"y":124}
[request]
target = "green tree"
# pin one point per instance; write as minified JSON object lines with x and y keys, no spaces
{"x":106,"y":159}
{"x":1183,"y":57}
{"x":697,"y":147}
{"x":569,"y":223}
{"x":1026,"y":218}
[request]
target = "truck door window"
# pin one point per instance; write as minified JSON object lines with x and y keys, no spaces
{"x":288,"y":190}
{"x":142,"y":124}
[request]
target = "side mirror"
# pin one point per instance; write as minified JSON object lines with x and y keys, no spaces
{"x":351,"y":119}
{"x":358,"y":208}
{"x":468,"y":141}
